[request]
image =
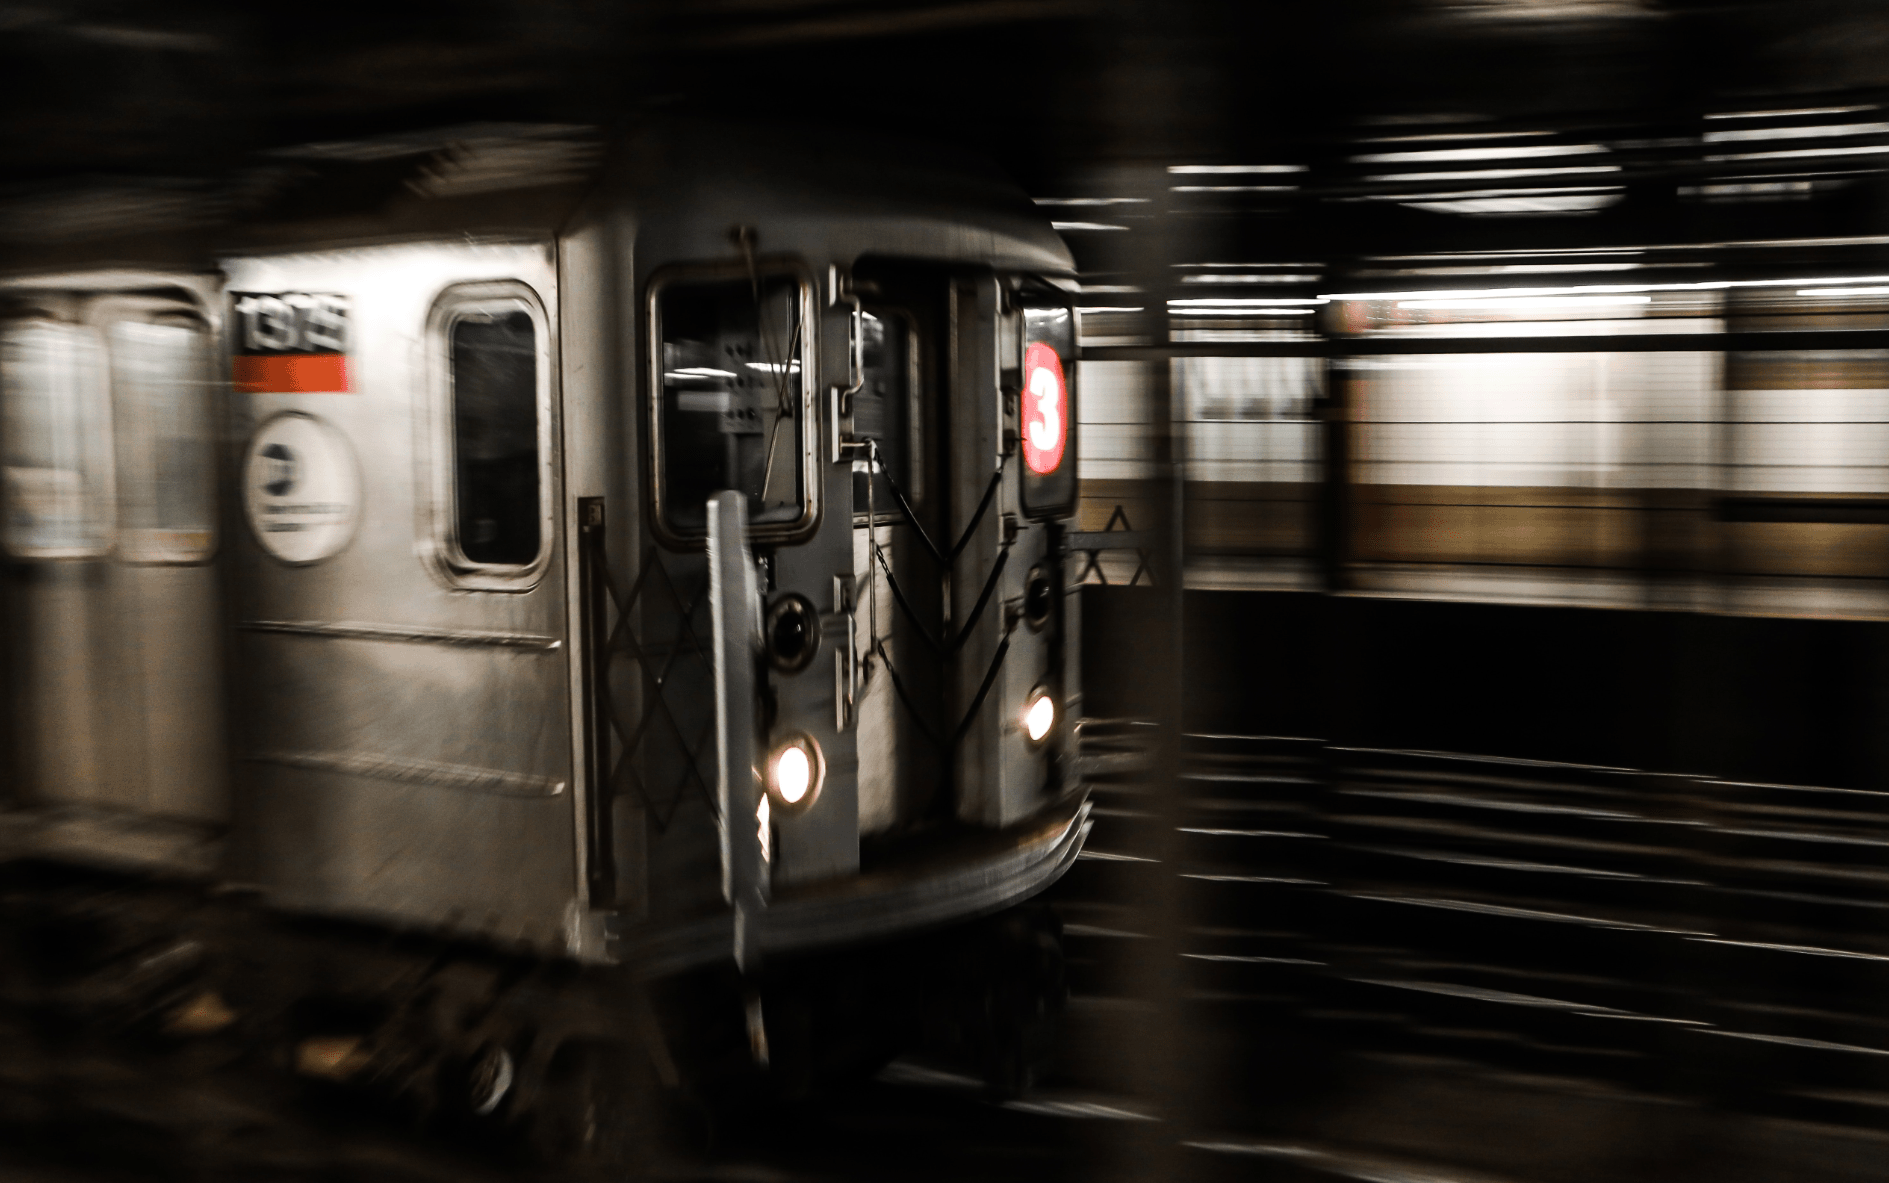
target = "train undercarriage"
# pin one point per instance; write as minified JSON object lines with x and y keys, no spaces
{"x":547,"y":1060}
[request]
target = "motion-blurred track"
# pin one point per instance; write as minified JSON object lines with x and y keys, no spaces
{"x":1396,"y":965}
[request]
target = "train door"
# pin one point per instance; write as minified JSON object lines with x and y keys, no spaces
{"x":111,"y":607}
{"x":959,"y":623}
{"x":733,"y":406}
{"x":898,"y":510}
{"x":59,"y":532}
{"x":1035,"y":694}
{"x":402,"y":585}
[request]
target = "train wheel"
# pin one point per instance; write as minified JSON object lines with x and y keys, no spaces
{"x":488,"y":1081}
{"x":591,"y":1109}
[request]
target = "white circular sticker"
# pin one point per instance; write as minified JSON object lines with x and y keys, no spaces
{"x":300,"y":488}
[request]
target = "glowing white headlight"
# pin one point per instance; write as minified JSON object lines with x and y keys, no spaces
{"x":794,"y":772}
{"x":1039,"y":716}
{"x":793,"y":775}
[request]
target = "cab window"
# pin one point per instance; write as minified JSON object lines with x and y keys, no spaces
{"x":57,"y":440}
{"x":732,"y":410}
{"x":885,"y":412}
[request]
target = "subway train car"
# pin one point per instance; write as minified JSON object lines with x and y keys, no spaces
{"x":114,"y":729}
{"x":634,"y":644}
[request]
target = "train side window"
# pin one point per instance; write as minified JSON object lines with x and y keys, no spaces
{"x":57,"y":441}
{"x":492,"y":477}
{"x":161,"y":383}
{"x":732,"y":411}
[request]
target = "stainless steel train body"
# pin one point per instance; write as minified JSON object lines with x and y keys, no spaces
{"x":482,"y":683}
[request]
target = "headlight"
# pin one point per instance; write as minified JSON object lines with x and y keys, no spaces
{"x":1039,"y":716}
{"x":794,"y":771}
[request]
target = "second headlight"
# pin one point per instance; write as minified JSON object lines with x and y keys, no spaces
{"x":1039,"y":715}
{"x":795,"y":770}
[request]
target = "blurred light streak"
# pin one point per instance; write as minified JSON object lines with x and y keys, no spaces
{"x":1233,"y":188}
{"x":1454,"y":135}
{"x":1764,"y":191}
{"x":1604,"y":289}
{"x":1848,"y":240}
{"x":1524,"y":268}
{"x":1084,"y":226}
{"x":1494,"y":11}
{"x":1244,"y":266}
{"x":1232,"y":310}
{"x":1248,"y":302}
{"x":1083,"y":1109}
{"x":1234,"y":169}
{"x":1529,"y":302}
{"x":1438,"y":155}
{"x":1871,"y":291}
{"x":1499,"y":174}
{"x":1583,"y":204}
{"x":1287,"y":277}
{"x":1801,"y":153}
{"x":1546,"y":252}
{"x":1467,"y":194}
{"x":1797,"y":133}
{"x":1792,"y":112}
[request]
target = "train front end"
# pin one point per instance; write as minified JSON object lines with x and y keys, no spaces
{"x":834,"y":661}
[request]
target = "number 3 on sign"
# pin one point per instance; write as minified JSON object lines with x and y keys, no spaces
{"x":1045,"y":405}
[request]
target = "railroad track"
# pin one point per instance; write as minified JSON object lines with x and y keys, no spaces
{"x":1590,"y":937}
{"x":1392,"y":965}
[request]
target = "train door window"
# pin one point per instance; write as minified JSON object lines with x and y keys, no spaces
{"x":161,"y":383}
{"x":885,"y":411}
{"x":733,"y":357}
{"x":492,"y":499}
{"x":57,"y":440}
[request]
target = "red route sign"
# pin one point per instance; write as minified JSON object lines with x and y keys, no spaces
{"x":1045,"y":409}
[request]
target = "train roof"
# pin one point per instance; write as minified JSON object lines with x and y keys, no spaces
{"x":121,"y":225}
{"x":837,"y":196}
{"x":684,"y":183}
{"x":500,"y":181}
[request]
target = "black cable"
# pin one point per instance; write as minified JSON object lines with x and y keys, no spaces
{"x":983,"y":691}
{"x":990,"y":493}
{"x":898,"y":595}
{"x":875,"y":469}
{"x":990,"y":585}
{"x":911,"y":516}
{"x":905,"y":698}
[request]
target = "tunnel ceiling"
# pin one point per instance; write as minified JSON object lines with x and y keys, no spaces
{"x":1072,"y":96}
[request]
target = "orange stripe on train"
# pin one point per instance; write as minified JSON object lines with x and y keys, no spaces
{"x":290,"y":373}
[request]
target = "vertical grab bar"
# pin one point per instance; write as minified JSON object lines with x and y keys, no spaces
{"x":734,"y":608}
